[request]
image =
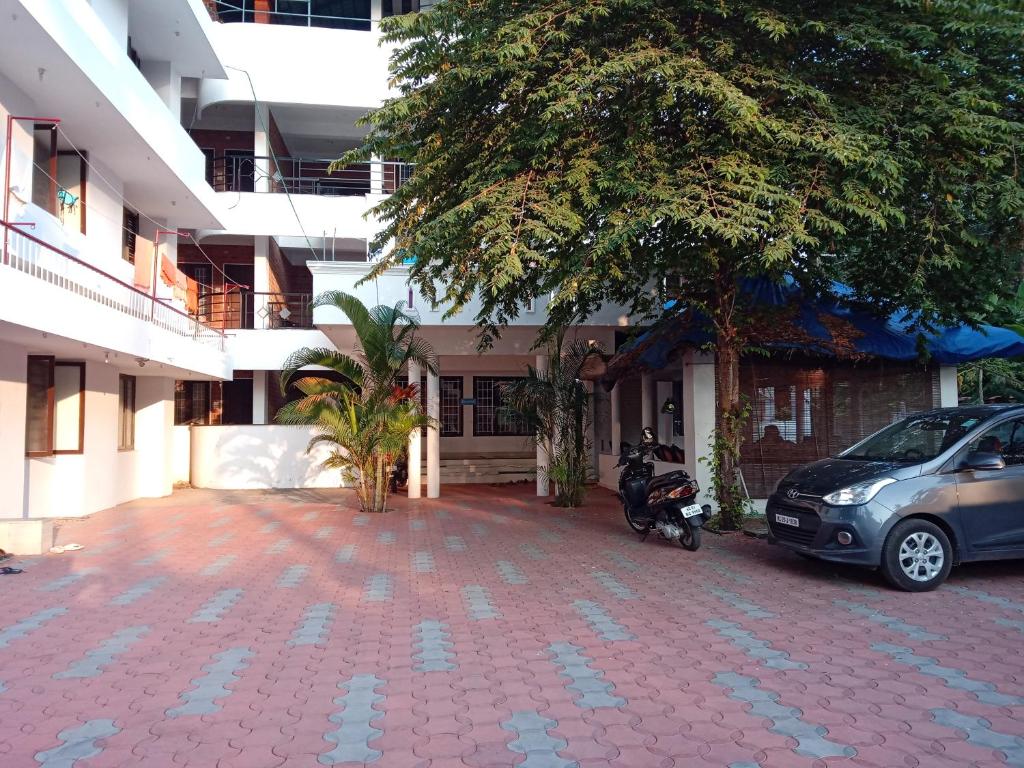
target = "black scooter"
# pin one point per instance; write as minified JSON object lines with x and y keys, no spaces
{"x":666,"y":503}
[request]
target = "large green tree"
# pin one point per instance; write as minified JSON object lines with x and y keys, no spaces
{"x":591,"y":149}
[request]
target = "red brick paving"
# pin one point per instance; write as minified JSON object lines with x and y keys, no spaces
{"x":281,"y":702}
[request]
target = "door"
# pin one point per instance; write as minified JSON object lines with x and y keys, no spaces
{"x":992,"y":503}
{"x":238,"y":298}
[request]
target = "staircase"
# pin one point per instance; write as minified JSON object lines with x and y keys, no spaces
{"x":490,"y":469}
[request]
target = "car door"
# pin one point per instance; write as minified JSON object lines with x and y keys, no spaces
{"x":992,"y":502}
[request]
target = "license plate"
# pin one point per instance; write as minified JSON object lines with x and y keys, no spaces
{"x":786,"y":520}
{"x":691,"y":511}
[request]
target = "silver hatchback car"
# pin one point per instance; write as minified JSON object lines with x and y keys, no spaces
{"x":922,"y":495}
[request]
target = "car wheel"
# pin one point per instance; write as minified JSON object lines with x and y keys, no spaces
{"x":917,"y":556}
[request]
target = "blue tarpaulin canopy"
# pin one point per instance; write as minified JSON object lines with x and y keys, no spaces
{"x":894,"y":338}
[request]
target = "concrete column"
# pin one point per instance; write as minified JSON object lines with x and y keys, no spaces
{"x":415,"y":455}
{"x":261,"y":148}
{"x":949,"y":392}
{"x":261,"y":280}
{"x":663,"y":390}
{"x":376,"y":12}
{"x":543,"y":450}
{"x":699,"y":419}
{"x":13,"y":407}
{"x":647,"y":401}
{"x":154,"y":435}
{"x":595,"y":467}
{"x":433,"y":436}
{"x":616,"y":417}
{"x":376,"y":175}
{"x":260,"y":399}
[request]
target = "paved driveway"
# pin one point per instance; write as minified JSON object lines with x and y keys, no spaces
{"x":484,"y":629}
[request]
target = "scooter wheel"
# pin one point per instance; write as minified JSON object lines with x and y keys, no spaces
{"x":690,"y":538}
{"x":640,"y":526}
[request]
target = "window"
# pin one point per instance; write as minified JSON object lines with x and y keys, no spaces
{"x":191,"y":402}
{"x":490,"y":416}
{"x":126,"y":413}
{"x":39,"y":406}
{"x":450,"y":402}
{"x":1006,"y":440}
{"x":55,"y":406}
{"x":68,"y":407}
{"x":129,"y":234}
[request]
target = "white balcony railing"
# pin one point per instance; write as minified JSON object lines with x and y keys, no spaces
{"x":34,"y":257}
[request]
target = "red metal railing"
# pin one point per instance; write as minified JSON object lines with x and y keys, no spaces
{"x":35,"y":257}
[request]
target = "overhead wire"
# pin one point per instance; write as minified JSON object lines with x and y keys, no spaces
{"x":125,"y":201}
{"x":273,"y":156}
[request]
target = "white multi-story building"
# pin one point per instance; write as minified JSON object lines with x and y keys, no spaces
{"x":168,"y":216}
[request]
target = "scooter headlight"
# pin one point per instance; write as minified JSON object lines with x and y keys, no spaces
{"x":861,"y":493}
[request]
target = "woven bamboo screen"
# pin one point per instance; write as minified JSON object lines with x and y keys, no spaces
{"x":802,"y":411}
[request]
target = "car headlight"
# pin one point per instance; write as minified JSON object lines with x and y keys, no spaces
{"x":861,"y":493}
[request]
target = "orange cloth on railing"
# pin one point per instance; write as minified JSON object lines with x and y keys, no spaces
{"x":175,"y":278}
{"x":191,"y":296}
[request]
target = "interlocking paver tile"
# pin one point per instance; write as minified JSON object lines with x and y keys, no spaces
{"x":487,"y":610}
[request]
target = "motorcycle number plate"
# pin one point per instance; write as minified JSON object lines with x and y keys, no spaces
{"x":787,"y":520}
{"x":691,"y":511}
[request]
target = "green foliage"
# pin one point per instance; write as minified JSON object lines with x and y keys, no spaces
{"x":589,"y":149}
{"x":555,"y":405}
{"x":365,"y":417}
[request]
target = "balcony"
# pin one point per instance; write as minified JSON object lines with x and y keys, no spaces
{"x":49,"y":290}
{"x":249,"y":310}
{"x":304,"y":176}
{"x":328,"y":14}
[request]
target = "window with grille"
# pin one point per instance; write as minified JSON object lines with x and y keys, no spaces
{"x":192,"y":402}
{"x":491,"y":417}
{"x":130,"y":232}
{"x":450,"y":397}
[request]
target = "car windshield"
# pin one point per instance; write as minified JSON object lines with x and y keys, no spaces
{"x":913,"y":440}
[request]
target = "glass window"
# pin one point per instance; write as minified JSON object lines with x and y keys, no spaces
{"x":490,"y":416}
{"x":1006,"y":440}
{"x":191,"y":402}
{"x":126,"y":413}
{"x":69,"y":407}
{"x":913,"y":440}
{"x":39,"y":406}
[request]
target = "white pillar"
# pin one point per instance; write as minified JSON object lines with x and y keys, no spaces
{"x":616,"y":417}
{"x":664,"y":420}
{"x":261,"y":148}
{"x":949,"y":393}
{"x":376,"y":175}
{"x":543,"y":486}
{"x":375,"y":13}
{"x":647,"y":401}
{"x":415,"y":457}
{"x":260,"y":401}
{"x":261,"y":281}
{"x":699,"y":419}
{"x":166,"y":81}
{"x":433,"y":436}
{"x":154,"y":435}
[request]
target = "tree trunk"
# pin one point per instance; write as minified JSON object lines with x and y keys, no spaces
{"x":731,"y":413}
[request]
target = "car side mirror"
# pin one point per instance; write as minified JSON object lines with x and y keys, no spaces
{"x":982,"y":461}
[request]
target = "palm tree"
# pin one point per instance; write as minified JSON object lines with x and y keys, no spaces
{"x":365,"y":416}
{"x":555,"y":404}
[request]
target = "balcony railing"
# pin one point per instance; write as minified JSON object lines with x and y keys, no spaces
{"x":37,"y":258}
{"x":241,"y":309}
{"x":333,"y":14}
{"x":304,"y":176}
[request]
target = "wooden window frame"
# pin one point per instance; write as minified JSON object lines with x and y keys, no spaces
{"x":121,"y":378}
{"x":49,"y":407}
{"x":440,"y":394}
{"x":129,"y":217}
{"x":81,"y":409}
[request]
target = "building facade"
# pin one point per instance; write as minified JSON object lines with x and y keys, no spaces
{"x":168,"y":216}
